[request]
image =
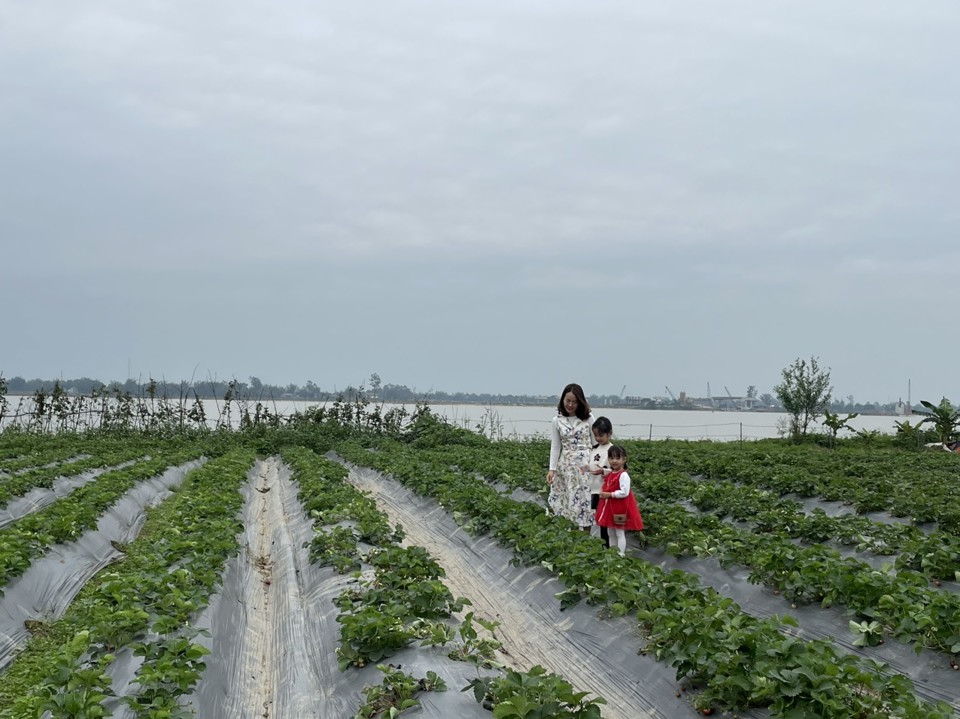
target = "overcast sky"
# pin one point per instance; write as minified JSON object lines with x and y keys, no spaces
{"x":490,"y":196}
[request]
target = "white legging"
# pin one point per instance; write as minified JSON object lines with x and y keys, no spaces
{"x":618,"y":538}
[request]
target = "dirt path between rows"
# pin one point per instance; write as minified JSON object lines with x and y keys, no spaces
{"x":261,"y":655}
{"x":595,"y":655}
{"x":274,"y":623}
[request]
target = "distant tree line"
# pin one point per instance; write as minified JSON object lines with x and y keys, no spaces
{"x":256,"y":390}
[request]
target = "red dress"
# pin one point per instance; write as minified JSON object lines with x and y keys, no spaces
{"x":609,"y":507}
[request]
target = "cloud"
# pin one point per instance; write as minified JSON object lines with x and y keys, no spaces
{"x":697,"y":166}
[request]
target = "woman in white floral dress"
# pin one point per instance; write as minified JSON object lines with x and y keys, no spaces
{"x":571,"y":438}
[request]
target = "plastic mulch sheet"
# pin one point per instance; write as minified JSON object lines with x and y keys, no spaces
{"x":51,"y":582}
{"x":929,"y":670}
{"x":273,"y":624}
{"x":40,"y":497}
{"x":595,"y":655}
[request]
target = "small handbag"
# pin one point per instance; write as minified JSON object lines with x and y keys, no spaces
{"x":620,"y":518}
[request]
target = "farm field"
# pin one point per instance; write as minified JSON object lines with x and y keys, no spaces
{"x":343,"y":564}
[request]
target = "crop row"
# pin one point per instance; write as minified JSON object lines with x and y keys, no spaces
{"x":21,"y":452}
{"x":143,"y":605}
{"x":66,"y":519}
{"x":49,"y":455}
{"x":18,"y":449}
{"x":329,"y":499}
{"x":738,"y":660}
{"x":919,"y":485}
{"x":936,"y":554}
{"x":406,"y":601}
{"x":19,"y":484}
{"x":900,"y":603}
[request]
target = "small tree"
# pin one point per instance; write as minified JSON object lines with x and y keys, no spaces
{"x":835,"y":422}
{"x":909,"y":434}
{"x":804,"y":393}
{"x":944,"y":417}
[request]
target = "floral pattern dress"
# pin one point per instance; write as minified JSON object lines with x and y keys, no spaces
{"x":569,"y":495}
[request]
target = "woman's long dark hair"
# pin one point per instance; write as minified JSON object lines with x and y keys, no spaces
{"x":583,"y":407}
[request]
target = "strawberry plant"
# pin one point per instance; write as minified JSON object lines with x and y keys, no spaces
{"x":472,"y":647}
{"x":396,"y":693}
{"x":869,"y":634}
{"x":171,"y":667}
{"x":378,"y":619}
{"x":76,"y":688}
{"x":536,"y":694}
{"x":337,"y":547}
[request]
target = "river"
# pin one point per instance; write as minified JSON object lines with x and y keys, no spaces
{"x":521,"y":421}
{"x":511,"y":421}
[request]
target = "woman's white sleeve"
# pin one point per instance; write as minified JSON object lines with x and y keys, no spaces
{"x":554,"y":444}
{"x":624,"y":490}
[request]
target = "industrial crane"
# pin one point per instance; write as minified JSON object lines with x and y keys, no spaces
{"x":733,"y":400}
{"x":670,"y":393}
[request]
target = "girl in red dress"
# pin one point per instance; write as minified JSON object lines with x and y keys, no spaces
{"x":617,"y":510}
